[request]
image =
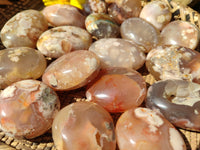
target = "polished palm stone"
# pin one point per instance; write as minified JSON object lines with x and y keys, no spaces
{"x":157,"y":13}
{"x":101,"y":25}
{"x":174,"y":62}
{"x":83,"y":125}
{"x":20,"y":63}
{"x":144,"y":129}
{"x":140,"y":32}
{"x":27,"y":109}
{"x":23,"y":29}
{"x":60,"y":15}
{"x":182,"y":33}
{"x":72,"y":70}
{"x":178,"y":101}
{"x":117,"y":52}
{"x":117,"y":89}
{"x":121,"y":10}
{"x":60,"y":40}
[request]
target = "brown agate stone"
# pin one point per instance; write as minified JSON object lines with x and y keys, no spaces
{"x":174,"y":62}
{"x":178,"y":101}
{"x":23,"y":29}
{"x":20,"y":63}
{"x":83,"y":125}
{"x":140,"y":32}
{"x":60,"y":40}
{"x":72,"y":70}
{"x":117,"y":89}
{"x":27,"y":109}
{"x":144,"y":129}
{"x":121,"y":10}
{"x":182,"y":33}
{"x":60,"y":15}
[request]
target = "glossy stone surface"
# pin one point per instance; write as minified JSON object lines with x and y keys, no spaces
{"x":23,"y":29}
{"x":72,"y":70}
{"x":60,"y":15}
{"x":121,"y":10}
{"x":117,"y":89}
{"x":95,"y":6}
{"x":157,"y":13}
{"x":182,"y":33}
{"x":27,"y":109}
{"x":60,"y":40}
{"x":101,"y":26}
{"x":174,"y":62}
{"x":141,"y":32}
{"x":116,"y":52}
{"x":178,"y":101}
{"x":144,"y":129}
{"x":20,"y":63}
{"x":83,"y":125}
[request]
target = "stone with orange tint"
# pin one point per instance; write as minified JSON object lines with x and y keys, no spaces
{"x":27,"y":109}
{"x":117,"y":89}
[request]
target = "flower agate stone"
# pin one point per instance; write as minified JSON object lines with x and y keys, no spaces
{"x":116,"y":52}
{"x":178,"y":101}
{"x":20,"y":63}
{"x":60,"y":15}
{"x":27,"y":109}
{"x":144,"y":129}
{"x":72,"y":70}
{"x":182,"y":33}
{"x":121,"y":10}
{"x":83,"y":125}
{"x":60,"y":40}
{"x":140,"y":32}
{"x":117,"y":89}
{"x":174,"y":62}
{"x":23,"y":29}
{"x":157,"y":13}
{"x":101,"y":26}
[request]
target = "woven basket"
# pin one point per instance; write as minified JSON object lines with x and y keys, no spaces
{"x":44,"y":142}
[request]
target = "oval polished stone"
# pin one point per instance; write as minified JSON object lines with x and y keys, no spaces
{"x":144,"y":129}
{"x":101,"y":26}
{"x":116,"y":52}
{"x":117,"y":89}
{"x":95,"y":6}
{"x":60,"y":15}
{"x":121,"y":10}
{"x":157,"y":13}
{"x":27,"y":109}
{"x":60,"y":40}
{"x":140,"y":32}
{"x":23,"y":29}
{"x":83,"y":125}
{"x":182,"y":33}
{"x":178,"y":101}
{"x":72,"y":70}
{"x":174,"y":62}
{"x":20,"y":63}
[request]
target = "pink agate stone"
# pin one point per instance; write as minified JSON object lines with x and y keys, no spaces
{"x":157,"y":13}
{"x":20,"y":63}
{"x":60,"y":15}
{"x":140,"y":32}
{"x":182,"y":33}
{"x":117,"y":89}
{"x":23,"y":29}
{"x":116,"y":52}
{"x":144,"y":129}
{"x":72,"y":70}
{"x":83,"y":125}
{"x":60,"y":40}
{"x":27,"y":109}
